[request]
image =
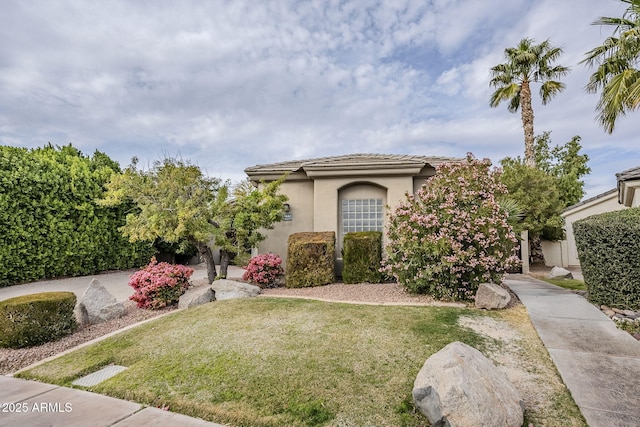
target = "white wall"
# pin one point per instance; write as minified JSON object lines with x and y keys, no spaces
{"x":565,"y":253}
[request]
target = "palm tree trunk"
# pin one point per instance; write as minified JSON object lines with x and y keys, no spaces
{"x":527,"y":123}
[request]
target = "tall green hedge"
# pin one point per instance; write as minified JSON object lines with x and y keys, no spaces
{"x":609,"y":252}
{"x":50,"y":225}
{"x":310,"y":259}
{"x":362,"y":257}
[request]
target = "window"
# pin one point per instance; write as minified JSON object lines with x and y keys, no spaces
{"x":362,"y":215}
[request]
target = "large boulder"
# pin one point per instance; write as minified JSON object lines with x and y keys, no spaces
{"x":492,"y":296}
{"x":97,"y":305}
{"x":196,"y":296}
{"x":459,"y":387}
{"x":559,"y":273}
{"x":229,"y":289}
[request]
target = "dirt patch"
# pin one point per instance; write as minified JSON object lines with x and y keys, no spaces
{"x":519,"y":353}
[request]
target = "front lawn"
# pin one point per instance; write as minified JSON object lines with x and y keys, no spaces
{"x":292,"y":362}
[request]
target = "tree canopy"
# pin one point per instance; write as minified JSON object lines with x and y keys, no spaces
{"x":250,"y":210}
{"x":543,"y":192}
{"x":527,"y":63}
{"x":617,"y":76}
{"x":176,"y":202}
{"x":566,"y":164}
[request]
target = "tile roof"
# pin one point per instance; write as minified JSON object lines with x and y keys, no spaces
{"x":629,"y":174}
{"x":359,"y":159}
{"x":591,"y":199}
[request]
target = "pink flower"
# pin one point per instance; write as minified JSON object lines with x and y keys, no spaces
{"x":159,"y":284}
{"x":264,"y":270}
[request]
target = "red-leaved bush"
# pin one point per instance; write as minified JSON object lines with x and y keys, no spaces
{"x":264,"y":270}
{"x":159,"y":284}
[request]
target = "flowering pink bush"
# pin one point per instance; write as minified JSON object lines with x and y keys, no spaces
{"x":264,"y":270}
{"x":452,"y":235}
{"x":159,"y":284}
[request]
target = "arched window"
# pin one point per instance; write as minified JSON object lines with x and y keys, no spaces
{"x":361,"y":207}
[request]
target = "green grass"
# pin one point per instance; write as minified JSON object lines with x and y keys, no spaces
{"x":279,"y":362}
{"x":571,"y":284}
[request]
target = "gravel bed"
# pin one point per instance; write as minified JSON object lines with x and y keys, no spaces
{"x":12,"y":360}
{"x":369,"y":293}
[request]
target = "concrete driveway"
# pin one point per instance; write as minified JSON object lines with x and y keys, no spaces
{"x":116,"y":282}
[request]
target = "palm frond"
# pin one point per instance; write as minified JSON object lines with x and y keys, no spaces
{"x":549,"y":89}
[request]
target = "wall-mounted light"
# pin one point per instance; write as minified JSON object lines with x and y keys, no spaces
{"x":287,"y":207}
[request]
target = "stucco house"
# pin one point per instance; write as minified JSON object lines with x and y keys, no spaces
{"x":565,"y":253}
{"x":628,"y":183}
{"x":341,"y":193}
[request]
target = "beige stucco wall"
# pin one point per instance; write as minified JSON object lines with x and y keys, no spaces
{"x":608,"y":203}
{"x":629,"y":192}
{"x":300,"y":195}
{"x":315,"y":205}
{"x":555,"y":253}
{"x":326,"y":196}
{"x":636,"y":193}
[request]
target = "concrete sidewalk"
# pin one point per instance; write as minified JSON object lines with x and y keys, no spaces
{"x":598,"y":362}
{"x":34,"y":404}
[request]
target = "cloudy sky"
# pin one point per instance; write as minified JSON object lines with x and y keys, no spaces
{"x":232,"y":84}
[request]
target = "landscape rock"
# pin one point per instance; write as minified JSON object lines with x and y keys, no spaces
{"x":492,"y":296}
{"x":559,"y":273}
{"x":459,"y":387}
{"x":229,"y":289}
{"x":97,"y":305}
{"x":196,"y":296}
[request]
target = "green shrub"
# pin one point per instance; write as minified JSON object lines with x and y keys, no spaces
{"x":609,"y":252}
{"x":50,"y":225}
{"x":310,"y":259}
{"x":37,"y":318}
{"x":452,"y":234}
{"x":362,"y":257}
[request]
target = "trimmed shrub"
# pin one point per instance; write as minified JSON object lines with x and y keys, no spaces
{"x":362,"y":257}
{"x":453,"y":234}
{"x":311,"y":259}
{"x":265,"y":270}
{"x":159,"y":284}
{"x":36,"y":319}
{"x":609,"y":251}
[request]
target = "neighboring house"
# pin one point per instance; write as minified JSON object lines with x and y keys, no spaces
{"x":628,"y":183}
{"x":565,"y":253}
{"x":341,"y":193}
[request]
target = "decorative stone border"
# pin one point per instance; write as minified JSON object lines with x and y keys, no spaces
{"x":622,"y":316}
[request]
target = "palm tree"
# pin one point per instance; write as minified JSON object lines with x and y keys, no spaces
{"x":527,"y":63}
{"x":616,"y":76}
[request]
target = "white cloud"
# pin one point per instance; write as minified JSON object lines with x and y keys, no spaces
{"x":233,"y":84}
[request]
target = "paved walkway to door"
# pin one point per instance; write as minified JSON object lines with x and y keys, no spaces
{"x":599,"y":363}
